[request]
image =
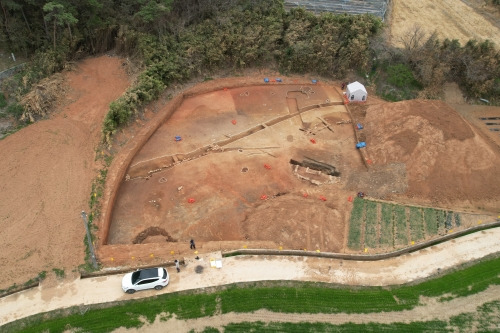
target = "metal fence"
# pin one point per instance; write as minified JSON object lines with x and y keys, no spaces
{"x":355,"y":7}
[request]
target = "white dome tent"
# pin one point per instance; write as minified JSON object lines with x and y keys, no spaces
{"x":356,"y":92}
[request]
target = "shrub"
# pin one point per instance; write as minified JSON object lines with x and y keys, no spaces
{"x":3,"y":101}
{"x":400,"y":76}
{"x":15,"y":110}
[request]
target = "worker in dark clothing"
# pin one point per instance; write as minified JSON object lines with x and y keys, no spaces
{"x":177,"y":265}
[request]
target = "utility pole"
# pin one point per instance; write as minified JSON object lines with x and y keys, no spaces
{"x":89,"y":239}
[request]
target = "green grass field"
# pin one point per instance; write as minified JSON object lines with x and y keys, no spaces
{"x":371,"y":223}
{"x":401,"y":228}
{"x":416,"y":224}
{"x":431,"y":224}
{"x":387,"y":226}
{"x":355,"y":224}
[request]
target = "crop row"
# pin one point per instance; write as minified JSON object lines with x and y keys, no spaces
{"x":382,"y":225}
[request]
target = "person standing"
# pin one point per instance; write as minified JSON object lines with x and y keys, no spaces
{"x":177,"y":265}
{"x":191,"y":245}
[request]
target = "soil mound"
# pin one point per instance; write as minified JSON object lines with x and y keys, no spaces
{"x":446,"y":161}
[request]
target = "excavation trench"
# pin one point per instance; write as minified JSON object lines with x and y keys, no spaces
{"x":146,"y":169}
{"x":317,"y":165}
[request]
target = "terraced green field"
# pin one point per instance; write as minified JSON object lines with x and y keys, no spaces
{"x":385,"y":227}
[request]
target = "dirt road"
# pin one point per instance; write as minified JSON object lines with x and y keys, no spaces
{"x":399,"y":270}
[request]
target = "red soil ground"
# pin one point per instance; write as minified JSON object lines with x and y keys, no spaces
{"x":228,"y":185}
{"x":449,"y":162}
{"x":46,"y":171}
{"x":422,"y":152}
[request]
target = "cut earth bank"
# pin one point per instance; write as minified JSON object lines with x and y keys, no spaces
{"x":229,"y":184}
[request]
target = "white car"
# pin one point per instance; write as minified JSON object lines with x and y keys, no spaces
{"x":145,"y":279}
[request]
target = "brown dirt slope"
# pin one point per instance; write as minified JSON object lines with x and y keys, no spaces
{"x":448,"y":163}
{"x":46,"y":171}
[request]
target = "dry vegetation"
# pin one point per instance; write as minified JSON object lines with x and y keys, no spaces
{"x":452,"y":19}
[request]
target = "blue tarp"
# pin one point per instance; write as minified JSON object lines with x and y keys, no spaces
{"x":361,"y":144}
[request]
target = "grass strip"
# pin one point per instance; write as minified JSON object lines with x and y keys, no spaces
{"x":428,"y":326}
{"x":387,"y":226}
{"x":401,"y":229}
{"x":371,"y":223}
{"x":441,"y":217}
{"x":431,"y":223}
{"x":125,"y":314}
{"x":416,"y":224}
{"x":448,"y":223}
{"x":458,"y":219}
{"x":485,"y":319}
{"x":355,"y":223}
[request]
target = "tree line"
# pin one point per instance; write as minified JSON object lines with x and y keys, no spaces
{"x":174,"y":40}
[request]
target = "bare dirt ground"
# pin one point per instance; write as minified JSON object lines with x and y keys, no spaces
{"x":420,"y":152}
{"x":250,"y":191}
{"x":449,"y":163}
{"x":46,"y":171}
{"x":452,"y":19}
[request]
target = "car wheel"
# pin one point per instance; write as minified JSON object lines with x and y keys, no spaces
{"x":130,"y":291}
{"x":159,"y":287}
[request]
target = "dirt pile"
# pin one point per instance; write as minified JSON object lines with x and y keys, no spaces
{"x":40,"y":101}
{"x":447,"y":162}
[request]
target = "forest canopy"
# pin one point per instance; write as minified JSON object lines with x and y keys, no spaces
{"x":175,"y":40}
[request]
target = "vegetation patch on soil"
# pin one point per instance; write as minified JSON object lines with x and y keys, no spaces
{"x":396,"y":220}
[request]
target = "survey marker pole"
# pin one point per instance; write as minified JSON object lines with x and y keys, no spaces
{"x":89,"y":239}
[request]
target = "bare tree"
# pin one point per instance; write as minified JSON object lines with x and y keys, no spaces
{"x":413,"y":41}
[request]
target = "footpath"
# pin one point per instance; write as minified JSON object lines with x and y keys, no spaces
{"x":203,"y":273}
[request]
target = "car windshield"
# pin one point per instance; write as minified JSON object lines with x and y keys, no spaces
{"x":164,"y":273}
{"x":135,"y":276}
